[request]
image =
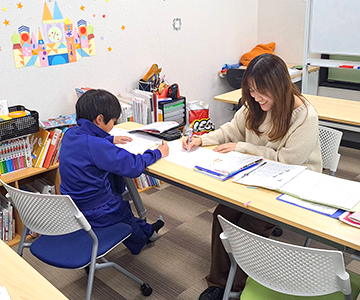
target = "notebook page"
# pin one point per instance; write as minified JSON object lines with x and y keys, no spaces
{"x":272,"y":175}
{"x":302,"y":183}
{"x":140,"y":142}
{"x":189,"y":159}
{"x":335,"y":192}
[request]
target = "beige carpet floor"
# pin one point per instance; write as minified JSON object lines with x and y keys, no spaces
{"x":177,"y":263}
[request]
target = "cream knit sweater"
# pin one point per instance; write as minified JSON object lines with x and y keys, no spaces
{"x":300,"y":146}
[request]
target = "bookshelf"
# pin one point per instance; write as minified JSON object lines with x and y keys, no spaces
{"x":27,"y":176}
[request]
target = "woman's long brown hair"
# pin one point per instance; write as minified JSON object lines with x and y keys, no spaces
{"x":270,"y":75}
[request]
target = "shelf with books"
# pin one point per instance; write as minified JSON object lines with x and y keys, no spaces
{"x":27,"y":176}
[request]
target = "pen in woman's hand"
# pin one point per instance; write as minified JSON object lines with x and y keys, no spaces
{"x":189,"y":134}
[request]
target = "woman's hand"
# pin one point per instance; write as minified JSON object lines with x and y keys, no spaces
{"x":164,"y":149}
{"x":121,"y":139}
{"x":195,"y":142}
{"x":224,"y":148}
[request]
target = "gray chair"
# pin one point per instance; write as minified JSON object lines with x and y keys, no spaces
{"x":66,"y":238}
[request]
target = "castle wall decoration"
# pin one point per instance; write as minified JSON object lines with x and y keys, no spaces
{"x":60,"y":43}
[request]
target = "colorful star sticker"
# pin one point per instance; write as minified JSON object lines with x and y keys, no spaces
{"x":6,"y":22}
{"x":4,"y":9}
{"x":94,"y":15}
{"x":107,"y":0}
{"x":82,"y":7}
{"x":19,"y":5}
{"x":104,"y":16}
{"x":102,"y":38}
{"x":123,"y":27}
{"x":109,"y":49}
{"x":0,"y":48}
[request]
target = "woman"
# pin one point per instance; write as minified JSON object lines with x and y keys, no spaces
{"x":275,"y":122}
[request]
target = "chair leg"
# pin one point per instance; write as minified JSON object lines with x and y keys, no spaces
{"x":307,"y":242}
{"x":231,"y":277}
{"x":146,"y":290}
{"x":90,"y":279}
{"x":22,"y":241}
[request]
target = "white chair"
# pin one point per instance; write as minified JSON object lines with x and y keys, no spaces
{"x":280,"y":271}
{"x":67,"y":239}
{"x":329,"y":143}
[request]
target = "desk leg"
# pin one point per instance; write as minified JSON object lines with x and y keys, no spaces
{"x":135,"y":197}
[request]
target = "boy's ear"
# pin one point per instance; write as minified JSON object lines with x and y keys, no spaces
{"x":99,"y":119}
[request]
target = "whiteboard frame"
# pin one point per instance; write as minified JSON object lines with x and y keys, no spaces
{"x":307,"y":61}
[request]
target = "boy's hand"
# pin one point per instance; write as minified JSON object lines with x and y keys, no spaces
{"x":122,"y":139}
{"x":195,"y":142}
{"x":164,"y":149}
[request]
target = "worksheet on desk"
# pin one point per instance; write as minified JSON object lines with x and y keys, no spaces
{"x":189,"y":159}
{"x":140,"y":141}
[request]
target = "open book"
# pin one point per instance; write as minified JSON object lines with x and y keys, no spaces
{"x":227,"y":165}
{"x":305,"y":184}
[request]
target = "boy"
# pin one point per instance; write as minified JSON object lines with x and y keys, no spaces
{"x":90,"y":164}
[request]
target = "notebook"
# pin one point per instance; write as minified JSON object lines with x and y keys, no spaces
{"x":305,"y":184}
{"x":227,"y":165}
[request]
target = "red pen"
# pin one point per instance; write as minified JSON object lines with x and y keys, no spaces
{"x":346,"y":67}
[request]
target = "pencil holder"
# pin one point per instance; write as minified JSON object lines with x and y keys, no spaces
{"x":19,"y":126}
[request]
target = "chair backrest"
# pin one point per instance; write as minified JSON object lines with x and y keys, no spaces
{"x":47,"y":214}
{"x":329,"y":143}
{"x":286,"y":268}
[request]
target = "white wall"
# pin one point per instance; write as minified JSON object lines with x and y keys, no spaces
{"x":283,"y":22}
{"x":213,"y":33}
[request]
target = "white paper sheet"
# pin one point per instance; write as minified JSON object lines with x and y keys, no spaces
{"x":140,"y":141}
{"x":188,"y":159}
{"x":4,"y":294}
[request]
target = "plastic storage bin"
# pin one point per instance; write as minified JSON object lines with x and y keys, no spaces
{"x":19,"y":126}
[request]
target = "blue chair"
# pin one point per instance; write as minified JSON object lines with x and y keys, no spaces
{"x":66,"y":238}
{"x":280,"y":271}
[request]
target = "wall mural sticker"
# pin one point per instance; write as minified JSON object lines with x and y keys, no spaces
{"x":60,"y":43}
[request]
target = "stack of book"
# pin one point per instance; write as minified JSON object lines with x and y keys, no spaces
{"x":7,"y":221}
{"x":145,"y":107}
{"x":145,"y":181}
{"x":15,"y":155}
{"x":45,"y":146}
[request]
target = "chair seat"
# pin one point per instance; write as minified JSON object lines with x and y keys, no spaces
{"x":73,"y":250}
{"x":254,"y":290}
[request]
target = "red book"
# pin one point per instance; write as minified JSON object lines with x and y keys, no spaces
{"x":54,"y":139}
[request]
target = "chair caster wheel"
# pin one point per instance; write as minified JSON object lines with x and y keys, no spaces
{"x":87,"y":269}
{"x":277,"y":232}
{"x":145,"y":289}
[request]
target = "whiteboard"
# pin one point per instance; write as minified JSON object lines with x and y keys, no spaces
{"x":335,"y":27}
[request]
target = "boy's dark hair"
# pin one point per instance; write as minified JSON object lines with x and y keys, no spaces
{"x":95,"y":102}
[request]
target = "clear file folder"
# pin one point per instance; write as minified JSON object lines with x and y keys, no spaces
{"x":305,"y":184}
